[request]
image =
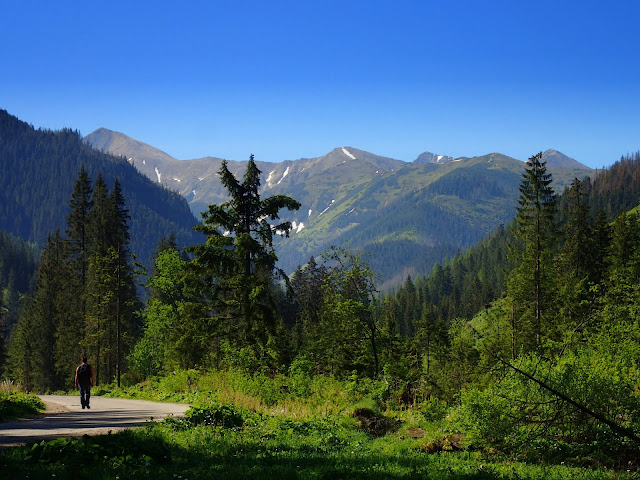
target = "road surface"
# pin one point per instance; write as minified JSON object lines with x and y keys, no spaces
{"x":65,"y":418}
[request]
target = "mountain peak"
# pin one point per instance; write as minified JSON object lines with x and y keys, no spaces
{"x":428,"y":157}
{"x":118,"y":143}
{"x":557,"y":159}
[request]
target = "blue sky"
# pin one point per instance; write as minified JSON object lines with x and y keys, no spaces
{"x":291,"y":79}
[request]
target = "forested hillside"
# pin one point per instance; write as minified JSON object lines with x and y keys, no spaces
{"x":38,"y":169}
{"x":18,"y":264}
{"x":464,"y":284}
{"x":533,"y":332}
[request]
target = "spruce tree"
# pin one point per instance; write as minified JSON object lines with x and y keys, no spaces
{"x":112,"y":297}
{"x":78,"y":231}
{"x":44,"y":344}
{"x":533,"y":251}
{"x":307,"y":295}
{"x":97,"y":312}
{"x":54,"y":329}
{"x":239,"y":260}
{"x":577,"y":262}
{"x":126,"y":324}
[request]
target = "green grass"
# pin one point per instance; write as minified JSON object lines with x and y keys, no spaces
{"x":324,"y":448}
{"x":16,"y":404}
{"x":259,"y":427}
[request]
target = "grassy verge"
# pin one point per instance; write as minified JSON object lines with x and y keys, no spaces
{"x":320,"y":449}
{"x":252,"y":427}
{"x":16,"y":404}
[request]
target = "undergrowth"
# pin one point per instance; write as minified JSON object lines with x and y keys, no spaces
{"x":254,"y":426}
{"x":17,"y":404}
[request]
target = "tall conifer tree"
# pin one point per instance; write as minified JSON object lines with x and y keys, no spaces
{"x":239,"y":258}
{"x":97,"y":301}
{"x":44,"y":344}
{"x":533,"y":250}
{"x":112,"y":296}
{"x":78,"y":251}
{"x":126,"y":300}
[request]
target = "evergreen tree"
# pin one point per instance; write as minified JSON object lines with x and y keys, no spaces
{"x":112,"y":297}
{"x":577,"y":262}
{"x":78,"y":246}
{"x":238,"y":258}
{"x":44,"y":345}
{"x":55,"y":336}
{"x":307,"y":295}
{"x":97,"y":313}
{"x":533,"y":250}
{"x":22,"y":349}
{"x":578,"y":234}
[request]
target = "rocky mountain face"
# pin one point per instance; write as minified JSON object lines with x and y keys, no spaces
{"x":428,"y":157}
{"x":407,"y":215}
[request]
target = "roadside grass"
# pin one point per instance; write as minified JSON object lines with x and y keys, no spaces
{"x":254,"y":426}
{"x":271,"y":449}
{"x":15,"y":404}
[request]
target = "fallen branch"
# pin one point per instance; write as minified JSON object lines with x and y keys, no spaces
{"x":619,"y":429}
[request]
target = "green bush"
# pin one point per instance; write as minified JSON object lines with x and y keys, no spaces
{"x":301,"y":376}
{"x":217,"y":415}
{"x":18,"y":404}
{"x":180,"y":381}
{"x":485,"y":418}
{"x":434,"y":409}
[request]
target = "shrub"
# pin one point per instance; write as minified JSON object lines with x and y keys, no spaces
{"x":434,"y":409}
{"x":301,"y":376}
{"x":17,"y":404}
{"x":217,"y":415}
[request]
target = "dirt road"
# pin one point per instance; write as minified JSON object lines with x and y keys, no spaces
{"x":65,"y":418}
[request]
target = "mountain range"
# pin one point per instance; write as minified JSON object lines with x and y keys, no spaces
{"x":408,"y":215}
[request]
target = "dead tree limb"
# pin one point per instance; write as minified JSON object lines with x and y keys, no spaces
{"x":619,"y":429}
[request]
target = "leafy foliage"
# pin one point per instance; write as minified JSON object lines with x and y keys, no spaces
{"x":235,"y":442}
{"x":17,"y":404}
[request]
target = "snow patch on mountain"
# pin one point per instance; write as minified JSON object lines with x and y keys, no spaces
{"x":348,"y":153}
{"x":158,"y":174}
{"x":270,"y":177}
{"x":309,"y":212}
{"x":176,"y":179}
{"x":332,"y":202}
{"x":286,"y":172}
{"x":297,"y":227}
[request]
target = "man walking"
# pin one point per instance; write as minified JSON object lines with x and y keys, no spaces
{"x":85,"y":379}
